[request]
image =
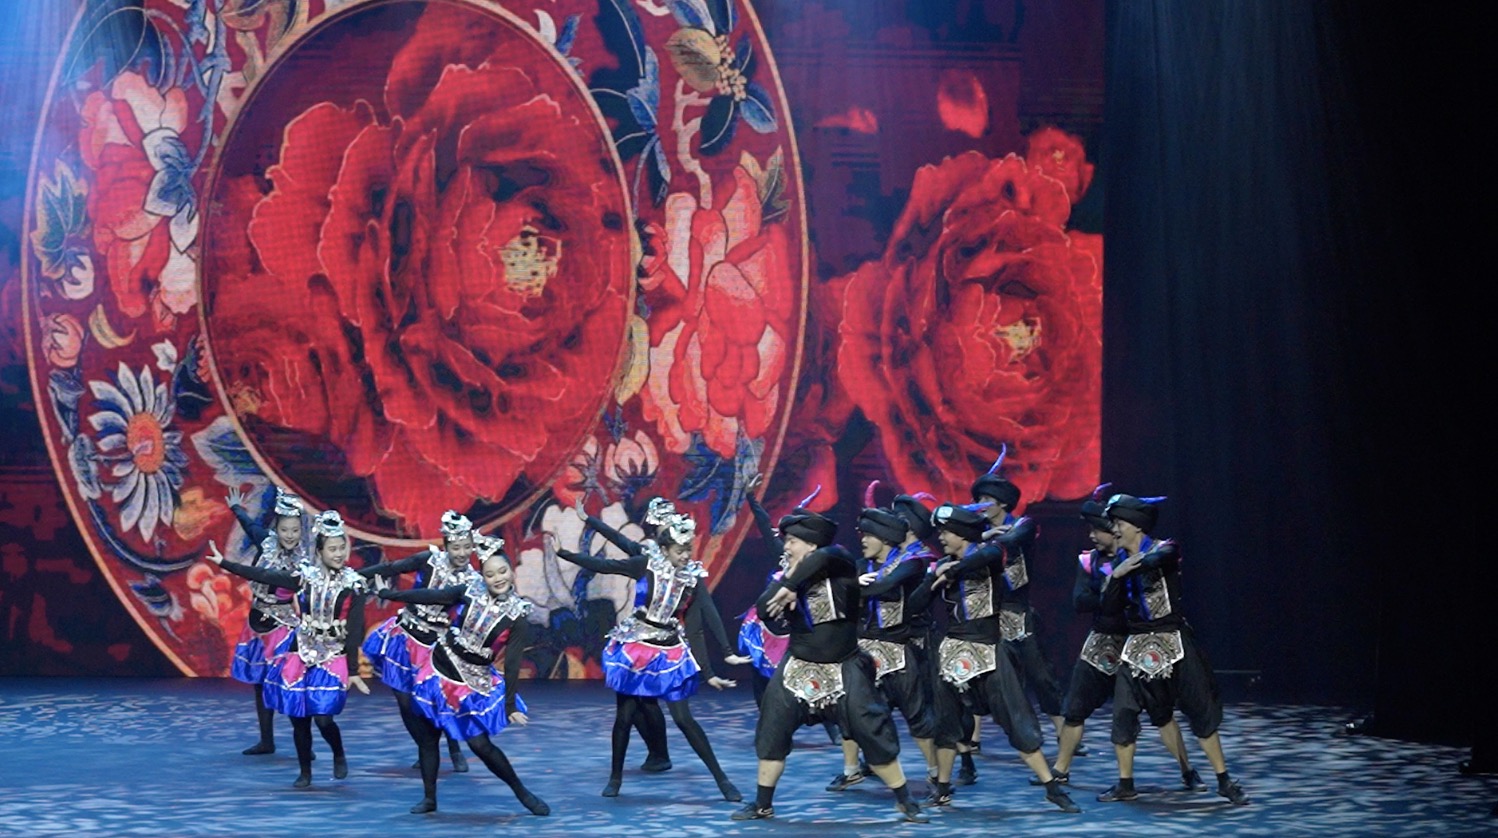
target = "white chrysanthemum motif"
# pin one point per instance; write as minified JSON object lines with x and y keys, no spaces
{"x":547,"y":581}
{"x":145,"y":457}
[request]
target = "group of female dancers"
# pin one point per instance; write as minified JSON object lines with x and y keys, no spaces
{"x":832,"y":639}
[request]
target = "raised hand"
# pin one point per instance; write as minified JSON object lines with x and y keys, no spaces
{"x":235,"y":497}
{"x":754,"y":483}
{"x":213,"y":554}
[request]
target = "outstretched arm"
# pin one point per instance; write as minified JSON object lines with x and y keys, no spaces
{"x":410,"y":564}
{"x":633,"y":567}
{"x":426,"y":596}
{"x":252,"y":528}
{"x":278,"y":578}
{"x":616,"y":538}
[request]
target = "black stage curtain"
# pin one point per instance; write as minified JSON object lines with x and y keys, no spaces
{"x":1294,"y":286}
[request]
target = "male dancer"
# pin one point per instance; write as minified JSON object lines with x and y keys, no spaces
{"x":1162,"y":668}
{"x":1092,"y":678}
{"x":894,"y":570}
{"x":823,"y":671}
{"x":1017,"y":618}
{"x":973,"y":657}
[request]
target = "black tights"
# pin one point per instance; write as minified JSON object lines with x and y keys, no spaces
{"x":266,"y":717}
{"x":301,"y":736}
{"x":410,"y":717}
{"x":628,"y":711}
{"x":427,"y":735}
{"x":651,"y":724}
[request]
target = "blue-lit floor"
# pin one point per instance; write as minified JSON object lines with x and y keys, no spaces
{"x":161,"y":757}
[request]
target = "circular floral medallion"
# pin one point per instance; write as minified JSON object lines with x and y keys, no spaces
{"x":401,"y":256}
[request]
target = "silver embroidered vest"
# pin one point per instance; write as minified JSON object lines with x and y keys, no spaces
{"x":440,"y":574}
{"x":670,"y":585}
{"x":263,"y":596}
{"x":323,"y":631}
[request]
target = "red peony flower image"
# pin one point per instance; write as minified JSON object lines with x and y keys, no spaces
{"x":1057,"y":154}
{"x":721,"y":332}
{"x":143,"y":216}
{"x":437,"y":283}
{"x":981,"y":327}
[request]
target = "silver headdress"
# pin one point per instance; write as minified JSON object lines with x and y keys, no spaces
{"x":677,"y":529}
{"x":658,"y":511}
{"x":287,"y":504}
{"x":488,"y":546}
{"x":330,"y":524}
{"x":455,"y":525}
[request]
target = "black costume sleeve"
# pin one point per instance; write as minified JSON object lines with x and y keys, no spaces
{"x":810,"y":567}
{"x":256,"y":532}
{"x":355,"y":636}
{"x":1024,"y":529}
{"x":520,"y":633}
{"x":990,"y":553}
{"x":410,"y":564}
{"x":633,"y":567}
{"x":427,"y":596}
{"x":713,"y":621}
{"x":766,"y":526}
{"x":278,"y":578}
{"x":892,"y":586}
{"x":1083,"y":598}
{"x":920,"y":598}
{"x":696,"y":639}
{"x":1163,"y":556}
{"x":616,"y":538}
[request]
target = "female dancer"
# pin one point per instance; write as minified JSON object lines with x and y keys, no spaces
{"x":647,"y":658}
{"x":399,"y":647}
{"x":310,"y":682}
{"x":272,"y":610}
{"x":460,"y":690}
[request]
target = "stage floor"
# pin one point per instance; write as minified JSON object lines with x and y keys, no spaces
{"x":161,"y":757}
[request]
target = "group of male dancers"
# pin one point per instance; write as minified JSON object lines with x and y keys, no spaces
{"x":933,"y":620}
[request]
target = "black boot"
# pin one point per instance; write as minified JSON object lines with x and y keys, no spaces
{"x":612,"y":789}
{"x":460,"y":763}
{"x":1119,"y":792}
{"x":1055,"y":794}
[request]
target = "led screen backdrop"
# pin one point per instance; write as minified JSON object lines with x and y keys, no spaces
{"x":517,"y":258}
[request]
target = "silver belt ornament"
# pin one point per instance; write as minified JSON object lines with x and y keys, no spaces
{"x":819,"y":685}
{"x":960,"y":661}
{"x":889,"y":658}
{"x":1154,"y":655}
{"x":1014,"y":625}
{"x":632,"y":630}
{"x":1102,"y":651}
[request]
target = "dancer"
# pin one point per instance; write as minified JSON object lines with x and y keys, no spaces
{"x":823,"y":672}
{"x":1092,"y":677}
{"x":466,"y":688}
{"x":649,"y":721}
{"x":647,"y":659}
{"x":272,"y":616}
{"x":758,"y":642}
{"x":310,"y":682}
{"x":973,"y":659}
{"x":399,"y":647}
{"x":1016,"y":617}
{"x":895,"y":569}
{"x":1163,"y":668}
